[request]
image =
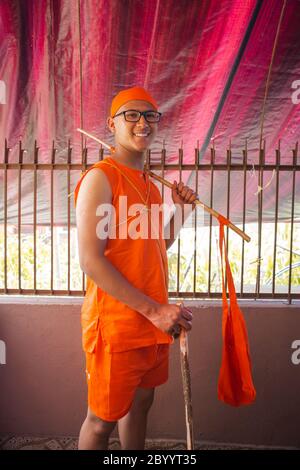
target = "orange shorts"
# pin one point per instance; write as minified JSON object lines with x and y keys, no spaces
{"x":113,"y":377}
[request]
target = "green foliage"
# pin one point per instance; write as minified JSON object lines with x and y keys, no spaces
{"x":25,"y":266}
{"x":186,"y":262}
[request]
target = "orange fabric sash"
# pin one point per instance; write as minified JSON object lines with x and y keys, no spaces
{"x":235,"y":386}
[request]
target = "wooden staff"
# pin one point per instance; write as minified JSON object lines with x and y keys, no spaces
{"x":180,"y":332}
{"x":109,"y":147}
{"x":186,"y":383}
{"x":205,"y":207}
{"x":167,"y":183}
{"x":187,"y":389}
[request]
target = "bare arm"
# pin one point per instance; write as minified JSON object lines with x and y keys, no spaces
{"x":95,"y":190}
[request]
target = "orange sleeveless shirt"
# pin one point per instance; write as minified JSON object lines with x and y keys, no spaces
{"x":143,"y":262}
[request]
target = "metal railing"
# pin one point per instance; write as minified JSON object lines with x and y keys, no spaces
{"x":160,"y":166}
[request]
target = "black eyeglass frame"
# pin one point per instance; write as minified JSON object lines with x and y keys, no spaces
{"x":141,"y":113}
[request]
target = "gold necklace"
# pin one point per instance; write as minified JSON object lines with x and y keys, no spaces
{"x":145,"y":201}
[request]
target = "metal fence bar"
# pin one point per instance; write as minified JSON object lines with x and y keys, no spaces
{"x":212,"y":161}
{"x":5,"y":167}
{"x":163,"y":164}
{"x":295,"y":152}
{"x":21,"y":151}
{"x":185,"y":295}
{"x":276,"y":217}
{"x":53,"y":153}
{"x":180,"y":156}
{"x":154,"y":166}
{"x":35,"y":161}
{"x":195,"y":218}
{"x":84,"y":167}
{"x":69,"y":162}
{"x":245,"y":157}
{"x":229,"y":155}
{"x":260,"y":205}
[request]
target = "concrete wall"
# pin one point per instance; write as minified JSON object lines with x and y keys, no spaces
{"x":43,"y":389}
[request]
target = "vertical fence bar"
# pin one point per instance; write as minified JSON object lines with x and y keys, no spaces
{"x":195,"y":219}
{"x":295,"y":153}
{"x":69,"y":161}
{"x":21,"y":151}
{"x":212,"y":162}
{"x":6,"y":158}
{"x":229,"y":155}
{"x":84,"y":167}
{"x":35,"y":162}
{"x":178,"y":251}
{"x":276,"y":217}
{"x":260,"y":205}
{"x":245,"y":158}
{"x":101,"y":153}
{"x":53,"y":152}
{"x":80,"y":69}
{"x":148,"y":162}
{"x":148,"y":159}
{"x":163,"y":163}
{"x":228,"y":162}
{"x":147,"y":169}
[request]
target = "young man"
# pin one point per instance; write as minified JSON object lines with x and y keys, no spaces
{"x":126,"y":319}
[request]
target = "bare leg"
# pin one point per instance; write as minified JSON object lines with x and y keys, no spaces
{"x":132,"y":427}
{"x":95,"y":432}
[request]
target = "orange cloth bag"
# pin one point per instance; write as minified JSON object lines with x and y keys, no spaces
{"x":235,"y":386}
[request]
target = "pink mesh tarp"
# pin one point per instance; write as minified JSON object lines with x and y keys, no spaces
{"x":206,"y":63}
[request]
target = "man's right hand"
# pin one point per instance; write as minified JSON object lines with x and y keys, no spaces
{"x":167,"y":316}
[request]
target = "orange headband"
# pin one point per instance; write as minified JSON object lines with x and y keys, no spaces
{"x":135,"y":93}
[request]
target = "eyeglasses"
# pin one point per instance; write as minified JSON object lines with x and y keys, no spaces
{"x":132,"y":115}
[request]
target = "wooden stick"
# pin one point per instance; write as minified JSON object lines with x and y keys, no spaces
{"x":187,"y":389}
{"x":167,"y":183}
{"x":205,"y":207}
{"x":94,"y":138}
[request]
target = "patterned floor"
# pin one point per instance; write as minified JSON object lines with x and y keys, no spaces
{"x":70,"y":443}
